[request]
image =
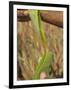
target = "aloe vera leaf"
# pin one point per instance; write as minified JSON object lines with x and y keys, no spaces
{"x":34,"y":19}
{"x":42,"y":32}
{"x":38,"y":25}
{"x":43,"y":65}
{"x":47,"y":58}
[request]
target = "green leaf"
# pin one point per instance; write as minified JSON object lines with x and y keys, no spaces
{"x":47,"y":59}
{"x":38,"y":25}
{"x":43,"y":65}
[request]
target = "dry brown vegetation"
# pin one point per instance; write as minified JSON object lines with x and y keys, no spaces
{"x":29,"y":48}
